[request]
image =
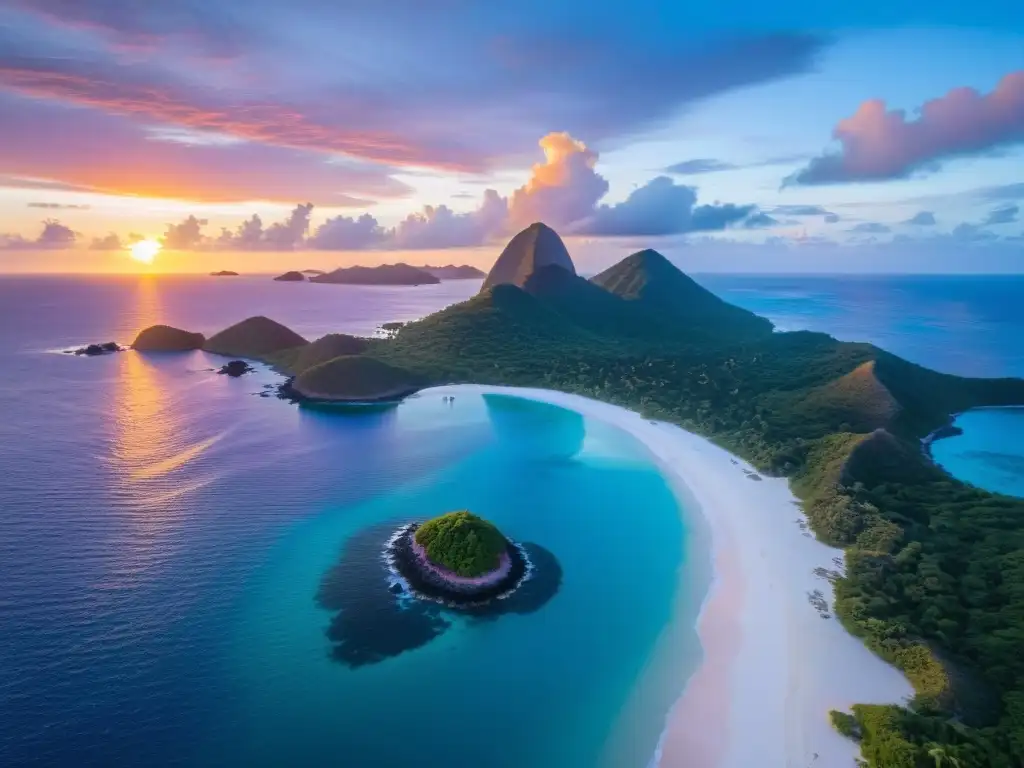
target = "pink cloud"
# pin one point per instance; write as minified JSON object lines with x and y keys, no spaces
{"x":105,"y":153}
{"x":262,"y":121}
{"x":880,"y":143}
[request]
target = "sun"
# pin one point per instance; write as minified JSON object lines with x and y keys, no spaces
{"x":145,"y":250}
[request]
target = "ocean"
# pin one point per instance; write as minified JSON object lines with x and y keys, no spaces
{"x":192,"y":574}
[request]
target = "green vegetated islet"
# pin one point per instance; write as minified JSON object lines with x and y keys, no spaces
{"x":462,"y":543}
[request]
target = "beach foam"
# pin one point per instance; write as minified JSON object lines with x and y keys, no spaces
{"x":775,"y":659}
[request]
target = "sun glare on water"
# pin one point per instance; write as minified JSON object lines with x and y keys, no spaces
{"x":145,"y":251}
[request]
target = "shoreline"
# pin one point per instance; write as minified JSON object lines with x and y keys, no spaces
{"x":774,"y":660}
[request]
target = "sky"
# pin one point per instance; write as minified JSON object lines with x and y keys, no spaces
{"x":261,"y":135}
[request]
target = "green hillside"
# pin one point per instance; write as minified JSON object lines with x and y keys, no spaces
{"x":355,"y":378}
{"x":648,"y":278}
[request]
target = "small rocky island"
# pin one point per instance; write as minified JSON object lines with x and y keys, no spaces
{"x":167,"y":338}
{"x":224,"y":273}
{"x":385,"y":274}
{"x":458,"y":559}
{"x":453,"y":272}
{"x":291,"y":277}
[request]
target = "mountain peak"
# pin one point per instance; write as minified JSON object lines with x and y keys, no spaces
{"x":649,"y":277}
{"x":534,"y":248}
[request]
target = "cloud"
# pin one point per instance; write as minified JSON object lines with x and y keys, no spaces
{"x":1006,"y":214}
{"x":59,"y":206}
{"x":799,"y":210}
{"x":971,"y":233}
{"x":1004,"y":192}
{"x":760,"y":220}
{"x":660,"y":207}
{"x":922,"y":219}
{"x":39,"y":152}
{"x":110,"y":242}
{"x":289,"y":234}
{"x":440,"y":227}
{"x":425,"y":85}
{"x":184,"y":236}
{"x":563,"y":189}
{"x":831,"y":218}
{"x":345,"y":233}
{"x":870,"y":227}
{"x":251,"y":235}
{"x":700,"y":165}
{"x":54,"y":236}
{"x":433,"y":227}
{"x":11,"y":181}
{"x":710,"y":165}
{"x":880,"y":144}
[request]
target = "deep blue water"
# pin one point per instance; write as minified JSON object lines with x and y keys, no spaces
{"x":190,"y":574}
{"x":970,"y":325}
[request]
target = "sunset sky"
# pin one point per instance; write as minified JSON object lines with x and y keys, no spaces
{"x":878,"y":136}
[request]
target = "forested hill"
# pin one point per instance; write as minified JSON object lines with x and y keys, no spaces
{"x":935,"y":577}
{"x":650,"y":278}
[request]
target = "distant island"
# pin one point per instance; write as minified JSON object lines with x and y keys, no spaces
{"x":224,"y":273}
{"x":458,"y":558}
{"x":166,"y":338}
{"x":313,"y":272}
{"x":932,"y":579}
{"x":291,"y":277}
{"x":452,"y":272}
{"x":385,"y":274}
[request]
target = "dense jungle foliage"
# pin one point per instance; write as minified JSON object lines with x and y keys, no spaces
{"x":462,"y":543}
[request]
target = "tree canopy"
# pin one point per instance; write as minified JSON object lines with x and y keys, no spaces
{"x":462,"y":543}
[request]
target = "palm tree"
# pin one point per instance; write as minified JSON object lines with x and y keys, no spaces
{"x":941,"y":757}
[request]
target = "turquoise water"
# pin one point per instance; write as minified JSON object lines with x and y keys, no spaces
{"x":581,"y":682}
{"x":990,"y":452}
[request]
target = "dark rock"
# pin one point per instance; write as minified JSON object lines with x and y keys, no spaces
{"x":396,"y":589}
{"x":97,"y":349}
{"x":236,"y":368}
{"x":949,"y":430}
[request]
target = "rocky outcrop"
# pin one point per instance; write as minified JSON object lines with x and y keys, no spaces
{"x":254,"y":338}
{"x":92,"y":350}
{"x":166,"y":338}
{"x":534,"y":248}
{"x":235,"y":368}
{"x":224,"y":273}
{"x":291,"y":277}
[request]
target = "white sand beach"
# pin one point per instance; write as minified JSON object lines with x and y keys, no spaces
{"x":773,"y":667}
